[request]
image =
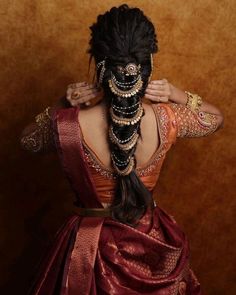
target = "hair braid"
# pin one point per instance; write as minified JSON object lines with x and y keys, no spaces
{"x":122,"y":41}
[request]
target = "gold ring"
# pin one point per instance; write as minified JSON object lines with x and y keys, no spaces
{"x":75,"y":95}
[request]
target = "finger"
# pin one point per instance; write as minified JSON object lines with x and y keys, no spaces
{"x":156,"y":87}
{"x":90,"y":86}
{"x":164,"y":98}
{"x":76,"y":85}
{"x":88,"y":93}
{"x":157,"y":98}
{"x":74,"y":103}
{"x":156,"y":82}
{"x":152,"y":97}
{"x":156,"y":92}
{"x":86,"y":98}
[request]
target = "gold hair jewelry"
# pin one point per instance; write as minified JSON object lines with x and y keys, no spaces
{"x":125,"y":108}
{"x":127,"y":170}
{"x":103,"y":69}
{"x":123,"y":112}
{"x":194,"y":101}
{"x":43,"y":118}
{"x":125,"y":84}
{"x":125,"y":93}
{"x":126,"y":146}
{"x":131,"y":69}
{"x":119,"y":161}
{"x":119,"y":140}
{"x":127,"y":121}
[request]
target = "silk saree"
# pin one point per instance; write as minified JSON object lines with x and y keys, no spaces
{"x":99,"y":255}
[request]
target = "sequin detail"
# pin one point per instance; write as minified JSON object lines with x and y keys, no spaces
{"x":90,"y":158}
{"x":193,"y":124}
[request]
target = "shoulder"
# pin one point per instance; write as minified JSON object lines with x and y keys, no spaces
{"x":167,"y":119}
{"x":64,"y":114}
{"x":165,"y":110}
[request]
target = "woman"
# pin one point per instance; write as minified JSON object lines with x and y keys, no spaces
{"x":119,"y":241}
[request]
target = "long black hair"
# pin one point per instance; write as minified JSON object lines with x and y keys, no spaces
{"x":121,"y":36}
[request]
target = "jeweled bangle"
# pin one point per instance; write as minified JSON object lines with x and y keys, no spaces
{"x":194,"y":101}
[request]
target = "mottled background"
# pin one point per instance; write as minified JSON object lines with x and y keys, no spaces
{"x":43,"y":48}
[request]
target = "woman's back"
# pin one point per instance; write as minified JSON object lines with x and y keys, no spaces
{"x":94,"y":127}
{"x":157,"y":135}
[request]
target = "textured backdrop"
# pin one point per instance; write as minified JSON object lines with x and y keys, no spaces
{"x":43,"y":45}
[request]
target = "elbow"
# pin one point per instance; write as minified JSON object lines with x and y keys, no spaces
{"x":220,"y":120}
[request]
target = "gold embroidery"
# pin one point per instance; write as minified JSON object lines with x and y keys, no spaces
{"x":193,"y":124}
{"x":41,"y":139}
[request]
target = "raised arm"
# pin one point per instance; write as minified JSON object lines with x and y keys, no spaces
{"x":191,"y":121}
{"x":38,"y":136}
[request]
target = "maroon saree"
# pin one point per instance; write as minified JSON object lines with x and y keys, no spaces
{"x":98,"y":255}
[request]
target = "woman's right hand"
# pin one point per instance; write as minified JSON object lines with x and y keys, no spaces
{"x":83,"y":93}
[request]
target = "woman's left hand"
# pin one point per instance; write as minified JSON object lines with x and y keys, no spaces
{"x":83,"y":93}
{"x":158,"y":91}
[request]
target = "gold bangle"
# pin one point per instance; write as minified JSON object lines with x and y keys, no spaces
{"x":194,"y":101}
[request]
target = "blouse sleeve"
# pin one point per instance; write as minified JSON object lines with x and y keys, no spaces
{"x":193,"y":124}
{"x":39,"y":136}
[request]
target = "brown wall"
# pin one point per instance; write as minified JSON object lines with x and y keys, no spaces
{"x":43,"y":46}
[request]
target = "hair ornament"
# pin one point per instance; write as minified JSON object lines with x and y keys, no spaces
{"x":102,"y":71}
{"x":125,"y":171}
{"x":127,"y":121}
{"x":125,"y":93}
{"x":124,"y":146}
{"x":131,"y":69}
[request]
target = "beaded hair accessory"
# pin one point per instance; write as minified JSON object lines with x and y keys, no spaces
{"x":126,"y":89}
{"x":102,"y":71}
{"x":127,"y":121}
{"x":125,"y":171}
{"x":125,"y":115}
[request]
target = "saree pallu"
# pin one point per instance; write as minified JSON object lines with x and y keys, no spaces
{"x":152,"y":258}
{"x":99,"y":255}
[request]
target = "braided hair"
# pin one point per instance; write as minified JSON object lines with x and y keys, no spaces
{"x":122,"y":40}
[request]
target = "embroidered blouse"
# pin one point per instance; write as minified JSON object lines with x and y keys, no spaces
{"x":174,"y":120}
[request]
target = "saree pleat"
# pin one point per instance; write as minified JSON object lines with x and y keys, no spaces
{"x":99,"y":255}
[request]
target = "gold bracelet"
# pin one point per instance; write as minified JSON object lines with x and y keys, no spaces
{"x":194,"y":101}
{"x":43,"y":118}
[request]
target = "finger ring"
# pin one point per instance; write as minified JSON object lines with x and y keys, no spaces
{"x":75,"y":95}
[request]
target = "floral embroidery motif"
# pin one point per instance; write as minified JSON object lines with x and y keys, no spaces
{"x":191,"y":124}
{"x":40,"y":139}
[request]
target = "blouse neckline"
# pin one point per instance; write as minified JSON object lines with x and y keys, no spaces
{"x":139,"y":168}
